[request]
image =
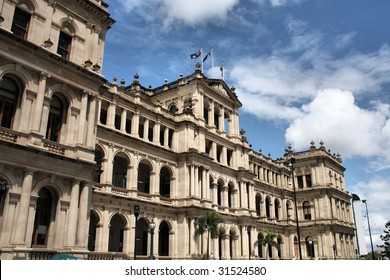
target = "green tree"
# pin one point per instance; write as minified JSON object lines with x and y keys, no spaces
{"x":269,"y":240}
{"x":386,"y":242}
{"x":207,"y":223}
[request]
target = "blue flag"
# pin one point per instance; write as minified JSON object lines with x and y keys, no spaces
{"x":196,"y":55}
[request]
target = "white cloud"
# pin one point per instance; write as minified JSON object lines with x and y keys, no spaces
{"x":279,"y":3}
{"x":377,"y":193}
{"x":317,"y":92}
{"x":334,"y":117}
{"x":189,"y":12}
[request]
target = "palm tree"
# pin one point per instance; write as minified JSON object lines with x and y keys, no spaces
{"x":208,"y":222}
{"x":268,"y":240}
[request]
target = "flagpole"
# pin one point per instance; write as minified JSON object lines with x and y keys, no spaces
{"x":212,"y":61}
{"x":222,"y":71}
{"x":201,"y":51}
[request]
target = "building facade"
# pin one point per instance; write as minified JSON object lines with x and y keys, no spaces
{"x":79,"y":154}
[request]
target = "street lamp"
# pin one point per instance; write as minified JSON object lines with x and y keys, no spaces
{"x":292,"y":162}
{"x":152,"y":226}
{"x":369,"y":228}
{"x":136,"y":214}
{"x":334,"y":251}
{"x":355,"y":198}
{"x":248,"y":229}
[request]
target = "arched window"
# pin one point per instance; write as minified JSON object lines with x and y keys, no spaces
{"x":306,"y":210}
{"x":119,"y":171}
{"x":163,"y":239}
{"x":143,"y":184}
{"x":277,"y":208}
{"x":57,"y":114}
{"x":258,"y":205}
{"x":173,"y":108}
{"x":219,"y":193}
{"x":267,"y":207}
{"x":288,"y":210}
{"x":9,"y":95}
{"x":165,"y":182}
{"x":230,"y":195}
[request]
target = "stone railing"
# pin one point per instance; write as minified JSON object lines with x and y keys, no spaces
{"x":54,"y":147}
{"x":8,"y":135}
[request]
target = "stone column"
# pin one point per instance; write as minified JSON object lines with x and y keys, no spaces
{"x":135,"y":125}
{"x":83,"y":220}
{"x":37,"y":116}
{"x":166,"y":137}
{"x":192,"y":180}
{"x":111,"y":112}
{"x":146,"y":129}
{"x":82,"y":119}
{"x":23,"y":211}
{"x":72,"y":214}
{"x":123,"y":120}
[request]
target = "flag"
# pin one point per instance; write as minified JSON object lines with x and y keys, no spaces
{"x":207,"y":55}
{"x":221,"y":68}
{"x":196,"y":55}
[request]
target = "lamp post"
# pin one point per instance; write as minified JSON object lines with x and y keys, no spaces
{"x":136,"y":214}
{"x":369,"y":228}
{"x":152,"y":226}
{"x":292,"y":162}
{"x":248,"y":229}
{"x":334,"y":251}
{"x":355,"y":198}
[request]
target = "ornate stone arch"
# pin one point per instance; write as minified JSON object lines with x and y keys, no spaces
{"x":68,"y":26}
{"x":19,"y":72}
{"x":29,"y":5}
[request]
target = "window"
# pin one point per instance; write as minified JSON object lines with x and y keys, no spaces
{"x":165,"y":182}
{"x":9,"y":92}
{"x":300,"y":182}
{"x":306,"y":210}
{"x":309,"y":183}
{"x":20,"y":23}
{"x":64,"y":45}
{"x":55,"y":121}
{"x":173,"y":109}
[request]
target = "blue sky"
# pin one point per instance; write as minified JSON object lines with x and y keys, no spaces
{"x":303,"y":69}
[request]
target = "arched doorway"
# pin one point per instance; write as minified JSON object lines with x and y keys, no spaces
{"x":260,"y":238}
{"x":163,"y":239}
{"x":44,"y":215}
{"x":93,"y":223}
{"x":117,"y":226}
{"x":142,"y":237}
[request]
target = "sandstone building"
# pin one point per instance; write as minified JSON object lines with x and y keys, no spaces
{"x":78,"y":153}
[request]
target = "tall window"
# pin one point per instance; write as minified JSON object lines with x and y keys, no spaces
{"x":306,"y":210}
{"x":165,"y":182}
{"x":55,"y":120}
{"x":9,"y":92}
{"x":64,"y":45}
{"x":20,"y":23}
